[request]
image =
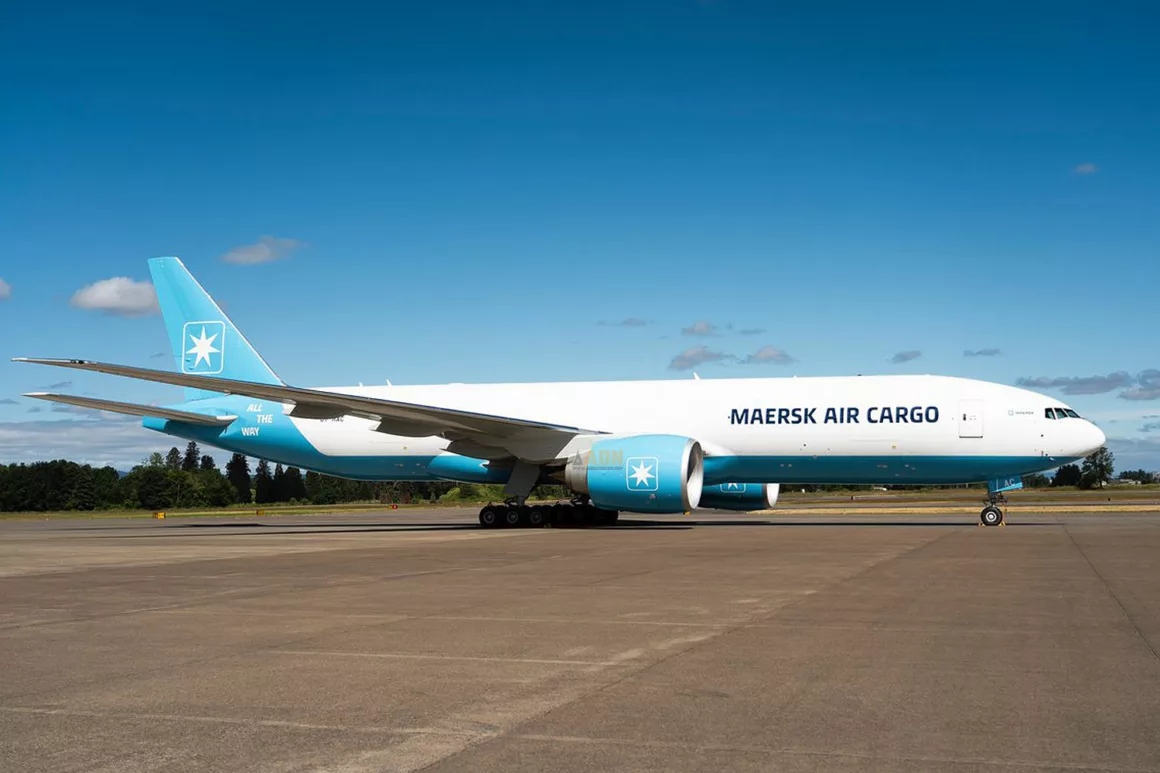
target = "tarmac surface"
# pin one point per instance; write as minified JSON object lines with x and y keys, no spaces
{"x":418,"y":641}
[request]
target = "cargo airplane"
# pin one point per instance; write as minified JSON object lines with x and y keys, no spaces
{"x":635,"y":446}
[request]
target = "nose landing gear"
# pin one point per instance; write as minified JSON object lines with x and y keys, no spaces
{"x":992,"y":514}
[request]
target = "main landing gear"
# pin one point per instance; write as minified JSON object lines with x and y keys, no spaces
{"x":516,"y":515}
{"x":992,"y":514}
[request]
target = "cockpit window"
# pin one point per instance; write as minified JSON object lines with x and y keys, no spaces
{"x":1060,"y":413}
{"x":1049,"y":413}
{"x":1072,"y":413}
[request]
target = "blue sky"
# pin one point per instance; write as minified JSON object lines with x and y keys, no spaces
{"x":482,"y":191}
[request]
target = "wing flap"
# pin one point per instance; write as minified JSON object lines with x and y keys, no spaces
{"x":449,"y":422}
{"x":135,"y":409}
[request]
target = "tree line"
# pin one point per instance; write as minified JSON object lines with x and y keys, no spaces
{"x":193,"y":480}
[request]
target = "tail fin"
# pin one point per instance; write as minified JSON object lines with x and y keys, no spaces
{"x":203,"y":338}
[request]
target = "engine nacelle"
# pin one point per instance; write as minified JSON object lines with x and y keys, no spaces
{"x":740,"y":496}
{"x":640,"y":473}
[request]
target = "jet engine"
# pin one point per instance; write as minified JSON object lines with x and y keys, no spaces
{"x":740,"y":496}
{"x":640,"y":473}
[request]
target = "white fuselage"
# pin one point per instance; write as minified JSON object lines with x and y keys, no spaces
{"x":841,"y":429}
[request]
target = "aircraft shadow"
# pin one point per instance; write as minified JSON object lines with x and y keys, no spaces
{"x":244,"y":528}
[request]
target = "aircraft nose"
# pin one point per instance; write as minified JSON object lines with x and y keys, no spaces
{"x":1093,"y":438}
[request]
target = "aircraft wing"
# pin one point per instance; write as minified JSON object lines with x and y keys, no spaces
{"x":395,"y":417}
{"x":135,"y":409}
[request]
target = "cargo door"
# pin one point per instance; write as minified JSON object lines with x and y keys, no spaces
{"x":970,"y":418}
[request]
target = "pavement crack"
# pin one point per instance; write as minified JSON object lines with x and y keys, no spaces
{"x":1112,"y":593}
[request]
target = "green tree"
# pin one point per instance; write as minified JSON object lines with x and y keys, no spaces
{"x":84,"y":492}
{"x":192,"y":457}
{"x":1038,"y":480}
{"x":279,"y":483}
{"x":263,"y":484}
{"x":216,"y":490}
{"x":152,"y":484}
{"x":313,"y":484}
{"x":207,"y":463}
{"x":238,"y":473}
{"x":110,"y":488}
{"x":1067,"y":475}
{"x":173,"y":459}
{"x":295,"y":486}
{"x":1098,"y":468}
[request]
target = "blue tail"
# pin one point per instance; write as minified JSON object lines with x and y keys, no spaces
{"x":203,"y":338}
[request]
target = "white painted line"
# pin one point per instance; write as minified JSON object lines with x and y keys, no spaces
{"x":425,"y":656}
{"x":576,"y":621}
{"x":405,"y":731}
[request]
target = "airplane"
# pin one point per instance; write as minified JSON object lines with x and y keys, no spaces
{"x":654,"y":447}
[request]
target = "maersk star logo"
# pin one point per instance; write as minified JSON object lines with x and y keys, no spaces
{"x":640,"y":473}
{"x":204,"y":348}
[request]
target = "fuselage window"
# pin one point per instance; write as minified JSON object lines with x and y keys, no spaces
{"x":1049,"y":413}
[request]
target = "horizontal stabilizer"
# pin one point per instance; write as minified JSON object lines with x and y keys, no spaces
{"x":134,"y":409}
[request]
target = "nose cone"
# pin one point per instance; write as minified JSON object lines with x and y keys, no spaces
{"x":1092,"y":438}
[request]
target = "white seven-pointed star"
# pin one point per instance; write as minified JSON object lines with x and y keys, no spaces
{"x":203,"y":347}
{"x":641,"y":474}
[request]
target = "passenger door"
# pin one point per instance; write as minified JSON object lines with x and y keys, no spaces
{"x":970,"y":418}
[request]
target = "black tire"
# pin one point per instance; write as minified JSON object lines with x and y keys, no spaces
{"x":488,"y":517}
{"x":512,"y":517}
{"x":991,"y":516}
{"x":602,"y":517}
{"x":537,"y":517}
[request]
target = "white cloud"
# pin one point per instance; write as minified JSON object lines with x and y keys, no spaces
{"x":91,"y":437}
{"x":5,"y":290}
{"x":1085,"y":168}
{"x":266,"y":249}
{"x":630,"y":322}
{"x":769,"y":354}
{"x":120,"y":295}
{"x":691,"y":358}
{"x":1136,"y":452}
{"x":100,"y":440}
{"x":700,"y":328}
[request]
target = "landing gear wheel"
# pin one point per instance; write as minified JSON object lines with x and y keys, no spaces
{"x":586,"y":516}
{"x":602,"y":517}
{"x":991,"y":516}
{"x":488,"y":517}
{"x":565,"y":516}
{"x":537,"y":516}
{"x":512,"y":516}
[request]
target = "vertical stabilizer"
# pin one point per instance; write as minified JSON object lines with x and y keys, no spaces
{"x":204,"y":340}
